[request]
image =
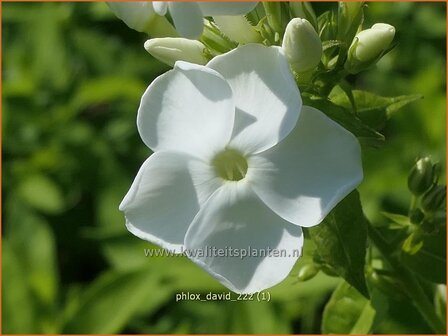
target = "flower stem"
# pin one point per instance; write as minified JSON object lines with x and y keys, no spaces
{"x":413,"y":204}
{"x":411,"y":284}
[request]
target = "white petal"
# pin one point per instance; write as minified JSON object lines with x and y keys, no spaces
{"x":165,"y":196}
{"x":188,"y":109}
{"x":234,"y":218}
{"x":160,"y":7}
{"x":187,"y":18}
{"x":307,"y":174}
{"x":136,"y":15}
{"x":266,"y":96}
{"x":226,"y":8}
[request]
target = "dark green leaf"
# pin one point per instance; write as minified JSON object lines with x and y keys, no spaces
{"x":341,"y":241}
{"x":372,"y":109}
{"x":348,"y":120}
{"x":430,"y":261}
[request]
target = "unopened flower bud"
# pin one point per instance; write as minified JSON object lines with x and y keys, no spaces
{"x":237,"y":28}
{"x":368,"y":46}
{"x":307,"y":272}
{"x":434,"y":199}
{"x":302,"y":45}
{"x":421,"y":176}
{"x":304,"y":10}
{"x":169,"y":50}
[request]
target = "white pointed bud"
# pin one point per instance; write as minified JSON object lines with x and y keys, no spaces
{"x":371,"y":42}
{"x":169,"y":50}
{"x":368,"y":45}
{"x":237,"y":28}
{"x":302,"y":45}
{"x":304,"y":10}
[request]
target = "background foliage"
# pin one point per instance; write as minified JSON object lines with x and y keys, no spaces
{"x":72,"y":79}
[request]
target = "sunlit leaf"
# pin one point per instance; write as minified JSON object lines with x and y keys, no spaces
{"x":42,"y":193}
{"x":347,"y":312}
{"x":17,"y":296}
{"x":113,"y":299}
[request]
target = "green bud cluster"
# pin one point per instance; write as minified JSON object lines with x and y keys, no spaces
{"x":427,"y":213}
{"x":423,"y":184}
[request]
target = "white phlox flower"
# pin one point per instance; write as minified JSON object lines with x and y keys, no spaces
{"x":238,"y":163}
{"x":187,"y":16}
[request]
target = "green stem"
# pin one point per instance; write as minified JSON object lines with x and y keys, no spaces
{"x":274,"y":15}
{"x":411,"y":284}
{"x":413,"y":204}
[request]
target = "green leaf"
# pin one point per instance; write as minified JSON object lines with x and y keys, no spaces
{"x":398,"y":221}
{"x":365,"y":134}
{"x":251,"y":318}
{"x":347,"y":312}
{"x":106,"y":90}
{"x":109,"y":303}
{"x":341,"y":241}
{"x":440,"y":302}
{"x":396,"y":218}
{"x":42,"y":193}
{"x":330,"y":44}
{"x":430,"y":261}
{"x":34,"y":244}
{"x":38,"y":251}
{"x":372,"y":109}
{"x":18,"y":313}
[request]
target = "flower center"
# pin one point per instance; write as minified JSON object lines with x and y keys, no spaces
{"x":230,"y":165}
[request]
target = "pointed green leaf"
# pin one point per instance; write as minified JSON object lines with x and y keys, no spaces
{"x":372,"y":109}
{"x":341,"y":241}
{"x":401,"y":220}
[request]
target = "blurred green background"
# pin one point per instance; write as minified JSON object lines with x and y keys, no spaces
{"x":73,"y":75}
